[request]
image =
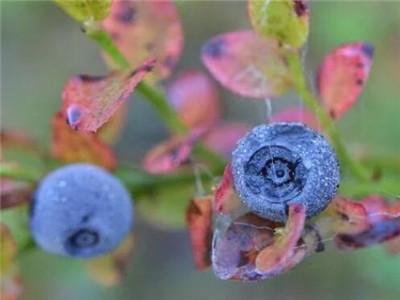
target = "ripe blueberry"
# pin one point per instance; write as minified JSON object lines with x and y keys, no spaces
{"x":80,"y":210}
{"x":283,"y":163}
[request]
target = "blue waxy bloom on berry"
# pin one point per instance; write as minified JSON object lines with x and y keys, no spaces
{"x":80,"y":210}
{"x":283,"y":163}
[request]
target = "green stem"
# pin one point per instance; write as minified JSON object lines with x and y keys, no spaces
{"x":327,"y":123}
{"x":153,"y":95}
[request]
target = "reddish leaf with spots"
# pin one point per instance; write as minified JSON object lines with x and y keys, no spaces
{"x":223,"y":137}
{"x":199,"y":221}
{"x":342,"y":76}
{"x":296,"y":114}
{"x":370,"y":221}
{"x":143,"y":29}
{"x":247,"y":64}
{"x":90,"y":101}
{"x":169,"y":155}
{"x":195,"y":98}
{"x":71,"y":146}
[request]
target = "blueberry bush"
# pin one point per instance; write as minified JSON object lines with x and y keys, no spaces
{"x":256,"y":201}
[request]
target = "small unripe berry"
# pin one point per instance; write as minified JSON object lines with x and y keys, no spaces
{"x":80,"y":210}
{"x":280,"y":164}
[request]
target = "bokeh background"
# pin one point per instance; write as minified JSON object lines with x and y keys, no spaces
{"x":41,"y":48}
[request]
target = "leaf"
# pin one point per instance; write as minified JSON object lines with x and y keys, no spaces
{"x":342,"y":76}
{"x":110,"y":269}
{"x":143,"y":29}
{"x":296,"y":114}
{"x":284,"y":253}
{"x":111,"y":131}
{"x":195,"y":98}
{"x":374,"y":221}
{"x":71,"y":146}
{"x":90,"y":101}
{"x":170,"y":155}
{"x":225,"y":199}
{"x":285,"y":20}
{"x":235,"y":248}
{"x":223,"y":137}
{"x":199,"y":221}
{"x":247,"y":64}
{"x":85,"y":10}
{"x":8,"y":251}
{"x":14,"y":192}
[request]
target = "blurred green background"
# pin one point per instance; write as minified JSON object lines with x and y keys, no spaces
{"x":41,"y":47}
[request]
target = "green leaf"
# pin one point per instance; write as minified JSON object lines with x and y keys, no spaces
{"x":86,"y":10}
{"x":286,"y":20}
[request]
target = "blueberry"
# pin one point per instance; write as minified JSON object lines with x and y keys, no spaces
{"x":283,"y":163}
{"x":80,"y":210}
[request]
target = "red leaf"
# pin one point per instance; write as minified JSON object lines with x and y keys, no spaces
{"x":225,"y":199}
{"x":253,"y":248}
{"x":143,"y":29}
{"x":195,"y":98}
{"x":169,"y":155}
{"x":223,"y":137}
{"x":297,"y":114}
{"x":278,"y":257}
{"x":370,"y":221}
{"x":247,"y":64}
{"x":199,"y":220}
{"x":71,"y":146}
{"x":90,"y":101}
{"x":342,"y":76}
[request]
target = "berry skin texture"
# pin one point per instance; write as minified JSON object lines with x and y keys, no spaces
{"x":280,"y":164}
{"x":80,"y":210}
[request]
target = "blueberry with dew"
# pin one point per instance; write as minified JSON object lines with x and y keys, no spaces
{"x":280,"y":164}
{"x":80,"y":210}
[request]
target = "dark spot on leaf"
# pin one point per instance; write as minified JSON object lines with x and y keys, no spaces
{"x":368,"y":50}
{"x":214,"y":48}
{"x":300,"y":7}
{"x":90,"y":78}
{"x":169,"y":62}
{"x":126,"y":14}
